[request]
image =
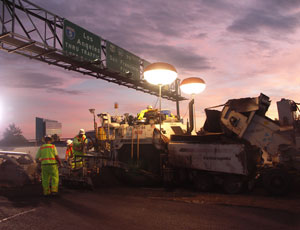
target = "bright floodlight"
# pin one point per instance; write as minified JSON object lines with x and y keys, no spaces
{"x":192,"y":85}
{"x":160,"y":73}
{"x":1,"y":110}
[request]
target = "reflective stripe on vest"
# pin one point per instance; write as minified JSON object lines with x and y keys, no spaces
{"x":47,"y":147}
{"x":78,"y":144}
{"x":47,"y":154}
{"x":80,"y":140}
{"x":46,"y":159}
{"x":68,"y":152}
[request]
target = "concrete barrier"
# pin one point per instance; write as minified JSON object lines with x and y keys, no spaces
{"x":32,"y":150}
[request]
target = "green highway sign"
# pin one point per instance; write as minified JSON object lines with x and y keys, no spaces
{"x":86,"y":46}
{"x":80,"y":43}
{"x":122,"y":61}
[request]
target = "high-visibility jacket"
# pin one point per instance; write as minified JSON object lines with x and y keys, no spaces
{"x":46,"y":154}
{"x":69,"y":151}
{"x":78,"y":144}
{"x":142,"y":113}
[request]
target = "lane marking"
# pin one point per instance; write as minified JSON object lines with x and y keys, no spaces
{"x":19,"y":214}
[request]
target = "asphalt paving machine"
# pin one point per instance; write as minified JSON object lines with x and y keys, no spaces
{"x":125,"y":146}
{"x":138,"y":145}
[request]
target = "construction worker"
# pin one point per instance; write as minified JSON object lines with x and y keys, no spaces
{"x":47,"y":155}
{"x":168,"y":114}
{"x":69,"y":150}
{"x":79,"y":148}
{"x":142,"y":113}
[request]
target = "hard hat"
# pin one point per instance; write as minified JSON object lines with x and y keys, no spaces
{"x":81,"y":131}
{"x":69,"y":142}
{"x":48,"y":138}
{"x":149,"y":107}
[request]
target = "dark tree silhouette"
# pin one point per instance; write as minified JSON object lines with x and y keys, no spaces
{"x":13,"y":136}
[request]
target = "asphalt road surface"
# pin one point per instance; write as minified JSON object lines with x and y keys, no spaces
{"x":146,"y":208}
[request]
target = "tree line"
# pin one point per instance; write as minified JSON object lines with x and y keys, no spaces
{"x":13,"y":136}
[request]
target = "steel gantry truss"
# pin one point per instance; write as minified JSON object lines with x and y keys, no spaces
{"x":34,"y":32}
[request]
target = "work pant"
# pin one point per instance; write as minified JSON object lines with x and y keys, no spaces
{"x":50,"y":175}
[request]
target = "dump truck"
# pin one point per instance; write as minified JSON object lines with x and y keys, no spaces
{"x":239,"y":147}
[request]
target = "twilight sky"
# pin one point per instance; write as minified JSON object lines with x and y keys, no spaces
{"x":240,"y":49}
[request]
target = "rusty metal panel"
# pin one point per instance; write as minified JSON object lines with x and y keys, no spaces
{"x":225,"y":158}
{"x":286,"y":114}
{"x":212,"y":123}
{"x":234,"y":121}
{"x":265,"y":134}
{"x":260,"y":104}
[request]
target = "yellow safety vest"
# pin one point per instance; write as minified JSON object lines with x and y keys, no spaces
{"x":46,"y":154}
{"x":142,"y":113}
{"x":78,"y":144}
{"x":69,"y":152}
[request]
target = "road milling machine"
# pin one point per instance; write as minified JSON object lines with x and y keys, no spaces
{"x":278,"y":139}
{"x":238,"y":147}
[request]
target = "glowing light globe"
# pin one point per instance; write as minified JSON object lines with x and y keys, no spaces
{"x":160,"y":73}
{"x":1,"y":111}
{"x":192,"y":85}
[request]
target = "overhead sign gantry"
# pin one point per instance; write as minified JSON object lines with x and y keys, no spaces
{"x":34,"y":32}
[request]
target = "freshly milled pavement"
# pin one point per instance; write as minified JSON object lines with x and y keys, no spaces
{"x":145,"y":208}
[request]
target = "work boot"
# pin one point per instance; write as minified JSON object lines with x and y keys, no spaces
{"x":54,"y":194}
